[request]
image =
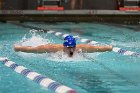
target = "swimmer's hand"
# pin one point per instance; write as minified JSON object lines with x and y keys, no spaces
{"x":28,"y":49}
{"x":17,"y":47}
{"x":20,"y":48}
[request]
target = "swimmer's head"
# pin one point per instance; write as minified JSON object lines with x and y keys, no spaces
{"x":69,"y":41}
{"x":69,"y":45}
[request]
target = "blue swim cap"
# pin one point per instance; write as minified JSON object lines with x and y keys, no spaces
{"x":69,"y":41}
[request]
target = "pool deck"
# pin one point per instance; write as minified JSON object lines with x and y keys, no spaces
{"x":114,"y":16}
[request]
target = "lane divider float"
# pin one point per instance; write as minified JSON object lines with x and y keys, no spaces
{"x":88,"y":41}
{"x":36,"y":77}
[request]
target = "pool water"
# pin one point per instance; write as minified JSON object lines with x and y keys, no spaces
{"x":107,"y":72}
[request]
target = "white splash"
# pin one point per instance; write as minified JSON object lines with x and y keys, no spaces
{"x":35,"y":40}
{"x":60,"y":56}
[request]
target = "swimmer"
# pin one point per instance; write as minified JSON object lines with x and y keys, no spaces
{"x":69,"y":47}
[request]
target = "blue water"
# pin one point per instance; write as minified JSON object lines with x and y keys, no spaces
{"x":107,"y":72}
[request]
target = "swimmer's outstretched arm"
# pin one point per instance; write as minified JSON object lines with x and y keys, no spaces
{"x":92,"y":48}
{"x":28,"y":49}
{"x":38,"y":49}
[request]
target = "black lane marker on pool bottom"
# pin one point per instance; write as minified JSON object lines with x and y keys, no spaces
{"x":112,"y":71}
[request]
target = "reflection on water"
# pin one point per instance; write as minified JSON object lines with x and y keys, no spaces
{"x":59,"y":56}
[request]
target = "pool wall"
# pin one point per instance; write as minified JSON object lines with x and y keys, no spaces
{"x":110,"y":16}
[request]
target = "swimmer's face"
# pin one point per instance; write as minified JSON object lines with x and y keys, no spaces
{"x":69,"y":50}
